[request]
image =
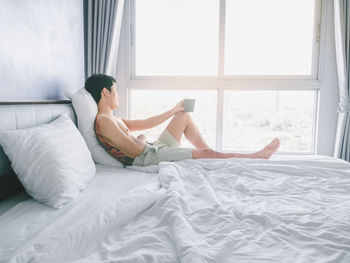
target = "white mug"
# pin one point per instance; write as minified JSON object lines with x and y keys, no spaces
{"x":189,"y":105}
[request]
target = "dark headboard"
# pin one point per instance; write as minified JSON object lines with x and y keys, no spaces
{"x":19,"y":115}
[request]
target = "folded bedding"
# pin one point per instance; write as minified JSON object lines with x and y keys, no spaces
{"x":287,"y":209}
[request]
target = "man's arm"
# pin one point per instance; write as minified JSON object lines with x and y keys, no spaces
{"x":138,"y":125}
{"x":119,"y":139}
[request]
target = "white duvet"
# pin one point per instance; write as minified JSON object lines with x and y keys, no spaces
{"x":237,"y":210}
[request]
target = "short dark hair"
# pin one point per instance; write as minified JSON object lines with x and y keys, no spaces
{"x":95,"y":84}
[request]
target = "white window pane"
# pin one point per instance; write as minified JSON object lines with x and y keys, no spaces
{"x":269,"y":37}
{"x":147,"y":103}
{"x":176,"y":37}
{"x":253,"y":118}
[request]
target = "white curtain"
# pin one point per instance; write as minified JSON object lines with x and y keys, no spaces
{"x":102,"y":25}
{"x":342,"y":41}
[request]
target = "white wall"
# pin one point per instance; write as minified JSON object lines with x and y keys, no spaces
{"x":329,"y":94}
{"x":41,"y":49}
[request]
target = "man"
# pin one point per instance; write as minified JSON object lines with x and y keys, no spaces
{"x":114,"y":134}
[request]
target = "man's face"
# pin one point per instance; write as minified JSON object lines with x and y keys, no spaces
{"x":114,"y":96}
{"x":111,"y":97}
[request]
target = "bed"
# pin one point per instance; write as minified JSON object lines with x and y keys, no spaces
{"x":286,"y":209}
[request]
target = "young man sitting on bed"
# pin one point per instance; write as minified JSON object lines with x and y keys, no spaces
{"x":114,"y":134}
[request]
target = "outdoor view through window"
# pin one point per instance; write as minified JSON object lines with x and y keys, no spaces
{"x":261,"y":39}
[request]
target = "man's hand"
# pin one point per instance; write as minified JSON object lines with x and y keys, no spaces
{"x":179,"y":106}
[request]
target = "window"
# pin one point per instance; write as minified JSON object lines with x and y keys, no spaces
{"x":253,"y":118}
{"x":175,"y":37}
{"x":269,"y":37}
{"x":262,"y":37}
{"x":251,"y":65}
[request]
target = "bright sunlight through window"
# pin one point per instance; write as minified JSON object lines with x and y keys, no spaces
{"x":270,"y":37}
{"x":238,"y":45}
{"x":262,"y":37}
{"x":254,"y":118}
{"x":176,"y":37}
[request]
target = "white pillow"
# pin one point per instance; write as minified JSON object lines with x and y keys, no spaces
{"x":86,"y":109}
{"x":52,"y":160}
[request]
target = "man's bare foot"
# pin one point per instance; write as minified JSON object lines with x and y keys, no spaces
{"x":268,"y":150}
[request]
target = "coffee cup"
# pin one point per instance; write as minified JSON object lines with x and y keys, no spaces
{"x":189,"y":105}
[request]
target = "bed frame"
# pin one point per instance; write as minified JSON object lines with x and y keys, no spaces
{"x":19,"y":115}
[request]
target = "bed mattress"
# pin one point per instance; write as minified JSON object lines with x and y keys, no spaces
{"x":113,"y":197}
{"x":287,"y":209}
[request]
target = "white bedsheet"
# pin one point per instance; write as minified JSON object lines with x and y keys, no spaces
{"x":237,"y":210}
{"x":111,"y":199}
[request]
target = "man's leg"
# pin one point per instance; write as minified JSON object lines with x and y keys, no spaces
{"x":264,"y":153}
{"x":182,"y":123}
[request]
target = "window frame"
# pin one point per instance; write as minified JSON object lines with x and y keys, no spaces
{"x":223,"y":82}
{"x":221,"y":52}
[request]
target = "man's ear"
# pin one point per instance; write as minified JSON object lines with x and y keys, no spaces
{"x":105,"y":91}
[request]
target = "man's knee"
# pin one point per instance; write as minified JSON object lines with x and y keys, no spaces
{"x":182,"y":115}
{"x":203,"y":153}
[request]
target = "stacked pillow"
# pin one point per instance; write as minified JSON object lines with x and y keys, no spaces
{"x":86,"y":109}
{"x":52,"y":161}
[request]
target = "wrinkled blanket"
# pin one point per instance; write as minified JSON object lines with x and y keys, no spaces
{"x":237,"y":210}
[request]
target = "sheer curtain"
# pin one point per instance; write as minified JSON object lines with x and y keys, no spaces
{"x":342,"y":41}
{"x":102,"y":25}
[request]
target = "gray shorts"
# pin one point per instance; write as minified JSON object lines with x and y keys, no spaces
{"x":165,"y":148}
